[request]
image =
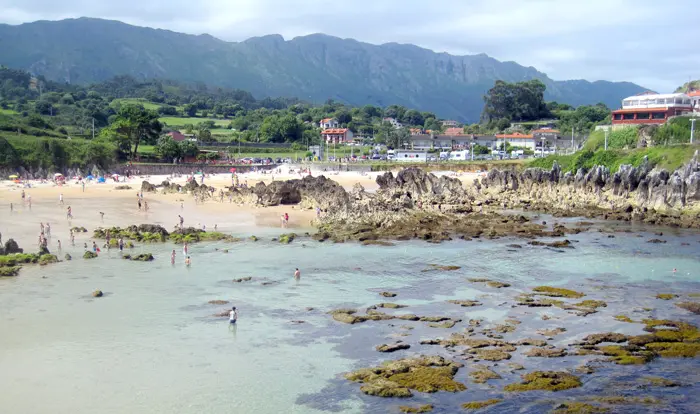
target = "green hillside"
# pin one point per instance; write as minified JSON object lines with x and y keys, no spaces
{"x":315,"y":67}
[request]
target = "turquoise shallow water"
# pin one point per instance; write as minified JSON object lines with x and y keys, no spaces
{"x":151,"y":345}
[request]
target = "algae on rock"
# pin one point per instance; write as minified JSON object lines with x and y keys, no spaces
{"x":545,"y":381}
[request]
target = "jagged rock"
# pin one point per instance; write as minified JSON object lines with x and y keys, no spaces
{"x":89,"y":255}
{"x":393,"y":347}
{"x":11,"y":247}
{"x":545,"y":352}
{"x":148,"y":187}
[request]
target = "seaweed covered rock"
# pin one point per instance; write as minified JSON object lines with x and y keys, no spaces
{"x":397,"y":378}
{"x":477,"y":405}
{"x":420,"y":409}
{"x":693,"y":307}
{"x":398,"y":346}
{"x":545,"y":352}
{"x":243,"y":279}
{"x":89,"y":255}
{"x":287,"y":238}
{"x":557,"y":292}
{"x":9,"y":271}
{"x":483,"y":373}
{"x":45,"y":259}
{"x":68,"y":257}
{"x":97,"y":294}
{"x":545,"y":381}
{"x":144,"y":257}
{"x":78,"y":229}
{"x":148,"y":187}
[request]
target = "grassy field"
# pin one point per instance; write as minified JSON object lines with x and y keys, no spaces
{"x":669,"y":158}
{"x":146,"y":104}
{"x":174,"y":121}
{"x":7,"y":112}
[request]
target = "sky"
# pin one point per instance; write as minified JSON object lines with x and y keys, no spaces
{"x":653,"y":43}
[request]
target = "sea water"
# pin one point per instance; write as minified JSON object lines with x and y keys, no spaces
{"x":152,"y":344}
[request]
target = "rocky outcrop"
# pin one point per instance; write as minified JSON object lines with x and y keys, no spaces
{"x":632,"y":193}
{"x":309,"y":192}
{"x":11,"y":247}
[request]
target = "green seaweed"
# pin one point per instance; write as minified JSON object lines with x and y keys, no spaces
{"x":666,"y":296}
{"x":477,"y":405}
{"x":420,"y":409}
{"x":545,"y":381}
{"x":573,"y":407}
{"x":557,"y":292}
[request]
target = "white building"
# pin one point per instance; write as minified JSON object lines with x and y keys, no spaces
{"x":410,"y":156}
{"x":516,"y":140}
{"x":328,"y":123}
{"x":656,"y":100}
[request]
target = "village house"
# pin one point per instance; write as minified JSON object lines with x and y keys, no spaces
{"x":337,"y":135}
{"x":695,"y":100}
{"x":177,"y":136}
{"x":449,"y":123}
{"x":451,"y":142}
{"x":327,"y":123}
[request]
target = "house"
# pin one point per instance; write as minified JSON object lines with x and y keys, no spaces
{"x":337,"y":135}
{"x":650,"y":108}
{"x":454,"y":131}
{"x":177,"y":136}
{"x":548,"y":133}
{"x":328,"y":123}
{"x":695,"y":100}
{"x":516,"y":140}
{"x":449,"y":124}
{"x":396,"y":124}
{"x":417,"y":131}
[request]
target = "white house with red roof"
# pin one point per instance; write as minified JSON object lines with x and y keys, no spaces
{"x":337,"y":135}
{"x":517,"y":140}
{"x":695,"y":100}
{"x":327,"y":123}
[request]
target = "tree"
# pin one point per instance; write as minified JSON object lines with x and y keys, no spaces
{"x":188,"y":149}
{"x":137,"y":123}
{"x":521,"y":101}
{"x":167,"y":110}
{"x":43,"y":108}
{"x":190,"y":110}
{"x":413,"y":117}
{"x":168,"y":148}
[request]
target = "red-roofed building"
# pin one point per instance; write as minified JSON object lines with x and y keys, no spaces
{"x":177,"y":136}
{"x":337,"y":135}
{"x":454,"y":132}
{"x":417,"y":131}
{"x":651,"y":109}
{"x":695,"y":100}
{"x":327,"y":123}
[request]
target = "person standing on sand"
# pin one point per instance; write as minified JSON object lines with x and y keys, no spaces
{"x":286,"y":220}
{"x":182,"y":221}
{"x":139,"y":202}
{"x":297,"y":274}
{"x":83,"y":186}
{"x":12,"y":208}
{"x":72,"y":238}
{"x":59,"y":245}
{"x":102,"y":216}
{"x":48,"y":230}
{"x":145,"y":206}
{"x":23,"y":196}
{"x":60,"y":199}
{"x":69,"y":214}
{"x":29,"y":201}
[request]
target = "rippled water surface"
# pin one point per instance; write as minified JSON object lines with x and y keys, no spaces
{"x":152,"y":344}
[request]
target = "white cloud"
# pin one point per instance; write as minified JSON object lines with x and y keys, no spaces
{"x":642,"y":41}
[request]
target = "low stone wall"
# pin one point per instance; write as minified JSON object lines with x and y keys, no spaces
{"x":166,"y":169}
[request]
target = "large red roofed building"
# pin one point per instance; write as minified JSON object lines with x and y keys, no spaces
{"x":650,"y":109}
{"x":453,"y":132}
{"x":337,"y":135}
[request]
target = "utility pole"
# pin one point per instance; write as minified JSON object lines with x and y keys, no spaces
{"x":692,"y":129}
{"x":606,"y":139}
{"x":572,"y":140}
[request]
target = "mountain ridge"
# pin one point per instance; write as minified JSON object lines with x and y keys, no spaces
{"x":314,"y":67}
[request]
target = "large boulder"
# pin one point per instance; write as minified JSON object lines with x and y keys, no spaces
{"x":11,"y":247}
{"x":148,"y":187}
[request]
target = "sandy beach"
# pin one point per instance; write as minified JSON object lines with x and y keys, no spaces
{"x":120,"y":208}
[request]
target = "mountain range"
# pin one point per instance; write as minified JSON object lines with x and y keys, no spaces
{"x":314,"y":67}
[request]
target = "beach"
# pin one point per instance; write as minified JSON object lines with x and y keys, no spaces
{"x":159,"y":341}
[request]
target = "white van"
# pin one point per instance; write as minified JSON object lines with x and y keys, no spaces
{"x":390,"y":155}
{"x":459,"y":155}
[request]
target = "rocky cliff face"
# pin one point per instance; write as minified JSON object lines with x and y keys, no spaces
{"x":631,"y":193}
